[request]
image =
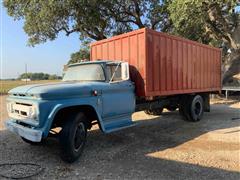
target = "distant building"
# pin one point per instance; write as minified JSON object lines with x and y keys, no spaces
{"x":26,"y":79}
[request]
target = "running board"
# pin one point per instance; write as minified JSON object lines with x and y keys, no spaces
{"x":116,"y":123}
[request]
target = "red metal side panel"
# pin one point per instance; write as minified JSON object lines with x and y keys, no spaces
{"x":99,"y":52}
{"x":174,"y":65}
{"x":111,"y":54}
{"x":180,"y":65}
{"x":156,"y":46}
{"x":161,"y":64}
{"x":185,"y":63}
{"x":169,"y":64}
{"x":118,"y":49}
{"x":125,"y":48}
{"x":150,"y":52}
{"x":105,"y":51}
{"x":177,"y":66}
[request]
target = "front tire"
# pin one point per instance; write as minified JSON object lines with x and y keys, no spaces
{"x":73,"y":137}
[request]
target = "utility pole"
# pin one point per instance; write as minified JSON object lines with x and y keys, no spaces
{"x":26,"y":72}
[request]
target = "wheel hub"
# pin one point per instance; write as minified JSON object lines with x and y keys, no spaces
{"x":197,"y":108}
{"x":79,"y":136}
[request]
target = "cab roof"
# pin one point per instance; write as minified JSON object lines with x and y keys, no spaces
{"x":94,"y":62}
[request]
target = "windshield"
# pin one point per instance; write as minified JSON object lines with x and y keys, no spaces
{"x":85,"y":72}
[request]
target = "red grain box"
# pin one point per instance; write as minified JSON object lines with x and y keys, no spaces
{"x":162,"y":64}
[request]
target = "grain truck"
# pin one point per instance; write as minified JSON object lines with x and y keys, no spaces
{"x":142,"y":70}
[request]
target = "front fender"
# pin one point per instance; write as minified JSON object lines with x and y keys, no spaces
{"x":94,"y":102}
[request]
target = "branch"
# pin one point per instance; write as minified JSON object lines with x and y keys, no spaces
{"x":154,"y":23}
{"x":124,"y":19}
{"x":137,"y":14}
{"x":68,"y":32}
{"x":215,"y":14}
{"x":223,"y":35}
{"x":126,"y":10}
{"x":97,"y":35}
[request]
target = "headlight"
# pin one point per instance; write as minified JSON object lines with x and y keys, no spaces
{"x":34,"y":96}
{"x":10,"y":107}
{"x":32,"y":113}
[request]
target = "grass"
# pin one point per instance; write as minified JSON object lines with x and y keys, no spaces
{"x":5,"y":86}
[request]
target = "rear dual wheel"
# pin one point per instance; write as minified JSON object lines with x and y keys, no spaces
{"x":191,"y":107}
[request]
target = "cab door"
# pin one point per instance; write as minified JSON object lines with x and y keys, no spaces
{"x":118,"y":100}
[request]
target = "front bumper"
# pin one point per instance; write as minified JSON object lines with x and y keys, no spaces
{"x":26,"y":132}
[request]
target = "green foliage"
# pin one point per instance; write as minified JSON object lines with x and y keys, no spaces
{"x":82,"y":55}
{"x":38,"y":76}
{"x":207,"y":21}
{"x":188,"y":19}
{"x":53,"y":77}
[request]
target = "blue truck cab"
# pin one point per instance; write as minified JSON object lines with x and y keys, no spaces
{"x":95,"y":92}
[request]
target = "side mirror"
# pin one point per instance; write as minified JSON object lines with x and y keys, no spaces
{"x":125,"y":70}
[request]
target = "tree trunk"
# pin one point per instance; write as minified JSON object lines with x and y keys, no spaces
{"x":231,"y":66}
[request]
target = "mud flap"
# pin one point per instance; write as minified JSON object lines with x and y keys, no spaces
{"x":206,"y":102}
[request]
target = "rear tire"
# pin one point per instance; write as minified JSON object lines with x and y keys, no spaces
{"x":192,"y":108}
{"x":73,"y":137}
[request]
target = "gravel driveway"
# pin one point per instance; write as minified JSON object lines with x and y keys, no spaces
{"x":158,"y":147}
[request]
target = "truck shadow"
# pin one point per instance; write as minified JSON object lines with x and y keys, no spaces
{"x":130,"y":153}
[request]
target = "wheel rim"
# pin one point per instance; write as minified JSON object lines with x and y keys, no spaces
{"x":197,"y":108}
{"x":79,"y":137}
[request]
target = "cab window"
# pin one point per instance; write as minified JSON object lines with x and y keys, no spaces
{"x":114,"y":76}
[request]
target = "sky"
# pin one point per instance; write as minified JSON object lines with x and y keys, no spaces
{"x":48,"y":57}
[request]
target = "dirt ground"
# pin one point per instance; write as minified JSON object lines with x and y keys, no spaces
{"x":158,"y":147}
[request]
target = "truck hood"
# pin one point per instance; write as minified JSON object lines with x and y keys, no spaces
{"x":59,"y":89}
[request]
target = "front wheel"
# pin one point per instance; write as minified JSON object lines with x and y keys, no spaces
{"x":73,"y":137}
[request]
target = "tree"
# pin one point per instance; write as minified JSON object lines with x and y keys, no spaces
{"x":82,"y":54}
{"x":95,"y":19}
{"x":214,"y":22}
{"x":38,"y":76}
{"x":53,"y":77}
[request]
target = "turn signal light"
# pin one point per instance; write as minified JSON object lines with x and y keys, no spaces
{"x":95,"y":93}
